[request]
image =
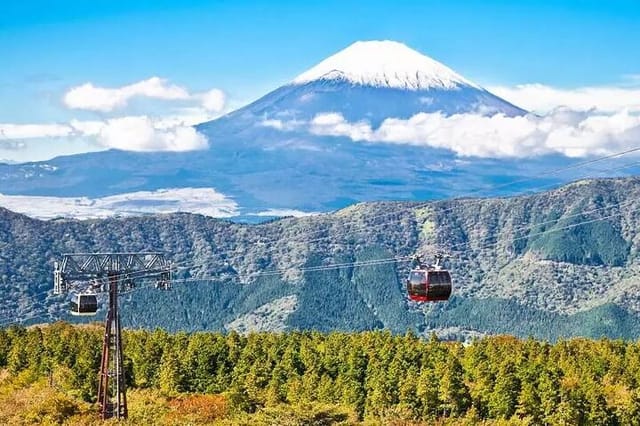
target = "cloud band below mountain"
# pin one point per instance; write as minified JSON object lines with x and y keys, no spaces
{"x":205,"y":201}
{"x":562,"y":131}
{"x":541,"y":98}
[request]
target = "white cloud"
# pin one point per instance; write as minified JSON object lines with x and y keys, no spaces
{"x":563,"y":131}
{"x":276,"y":124}
{"x":132,"y":133}
{"x":334,"y":124}
{"x":205,"y":201}
{"x":282,"y":124}
{"x":103,"y":99}
{"x":285,"y":212}
{"x":170,"y":132}
{"x":213,"y":100}
{"x":142,"y":134}
{"x":93,"y":98}
{"x":29,"y":131}
{"x":540,"y":98}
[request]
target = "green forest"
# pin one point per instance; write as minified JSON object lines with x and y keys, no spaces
{"x":49,"y":375}
{"x":551,"y":265}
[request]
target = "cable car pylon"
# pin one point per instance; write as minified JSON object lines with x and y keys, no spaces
{"x":112,"y":400}
{"x":82,"y":270}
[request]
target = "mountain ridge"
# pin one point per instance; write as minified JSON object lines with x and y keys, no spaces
{"x":547,"y":264}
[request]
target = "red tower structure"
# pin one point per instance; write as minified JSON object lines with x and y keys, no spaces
{"x":82,"y":272}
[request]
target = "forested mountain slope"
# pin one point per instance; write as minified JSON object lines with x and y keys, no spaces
{"x":552,"y":264}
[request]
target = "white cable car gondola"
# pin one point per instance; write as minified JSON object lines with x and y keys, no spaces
{"x":84,"y":304}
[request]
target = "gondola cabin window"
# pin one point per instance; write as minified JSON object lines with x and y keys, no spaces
{"x":84,"y":305}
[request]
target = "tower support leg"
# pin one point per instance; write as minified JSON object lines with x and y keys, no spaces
{"x":112,"y":394}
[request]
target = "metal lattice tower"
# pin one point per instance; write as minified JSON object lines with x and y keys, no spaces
{"x":120,"y":269}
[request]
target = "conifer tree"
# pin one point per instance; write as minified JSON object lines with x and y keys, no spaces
{"x":169,"y":377}
{"x":454,"y":393}
{"x":427,"y":393}
{"x":503,"y":400}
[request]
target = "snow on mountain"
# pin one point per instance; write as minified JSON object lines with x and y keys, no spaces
{"x":267,"y":158}
{"x":385,"y":64}
{"x":205,"y":201}
{"x":369,"y":80}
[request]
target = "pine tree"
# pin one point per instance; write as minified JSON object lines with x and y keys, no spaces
{"x":454,"y":393}
{"x":427,"y":393}
{"x":5,"y":347}
{"x":169,"y":378}
{"x":294,"y":393}
{"x":355,"y":394}
{"x":407,"y":393}
{"x":503,"y":400}
{"x":529,"y":402}
{"x":599,"y":413}
{"x":276,"y":391}
{"x":310,"y":383}
{"x":549,"y":392}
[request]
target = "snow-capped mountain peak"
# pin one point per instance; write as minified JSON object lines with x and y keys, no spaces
{"x":385,"y":64}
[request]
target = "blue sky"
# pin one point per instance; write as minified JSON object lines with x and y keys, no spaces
{"x":247,"y":48}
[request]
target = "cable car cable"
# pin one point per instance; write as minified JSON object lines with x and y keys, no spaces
{"x":388,"y":260}
{"x":553,"y":171}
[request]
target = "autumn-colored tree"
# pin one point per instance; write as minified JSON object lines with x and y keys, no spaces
{"x":454,"y":393}
{"x":503,"y":400}
{"x":170,"y":375}
{"x":375,"y":374}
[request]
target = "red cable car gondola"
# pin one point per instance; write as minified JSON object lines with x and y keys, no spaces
{"x":429,"y":283}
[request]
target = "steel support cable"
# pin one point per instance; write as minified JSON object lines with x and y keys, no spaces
{"x":517,"y":229}
{"x":396,"y":213}
{"x":561,"y":218}
{"x":474,"y":192}
{"x":393,"y":260}
{"x":375,"y":262}
{"x":498,"y":186}
{"x":459,"y":245}
{"x":446,"y":227}
{"x":520,"y":228}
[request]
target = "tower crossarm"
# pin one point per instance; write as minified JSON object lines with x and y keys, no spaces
{"x":88,"y":266}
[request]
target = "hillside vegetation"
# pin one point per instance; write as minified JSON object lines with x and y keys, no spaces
{"x":317,"y":378}
{"x":554,"y":264}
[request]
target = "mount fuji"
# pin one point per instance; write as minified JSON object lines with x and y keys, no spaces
{"x":375,"y":80}
{"x":266,"y":158}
